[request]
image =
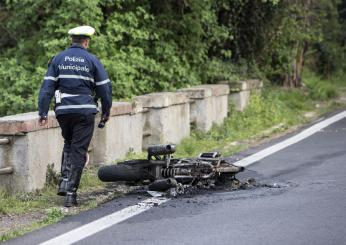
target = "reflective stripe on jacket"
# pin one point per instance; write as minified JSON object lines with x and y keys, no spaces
{"x":79,"y":76}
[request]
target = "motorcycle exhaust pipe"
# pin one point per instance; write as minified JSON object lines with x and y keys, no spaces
{"x":163,"y":184}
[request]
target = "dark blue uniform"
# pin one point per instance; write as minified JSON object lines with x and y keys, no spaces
{"x":79,"y":76}
{"x":75,"y":77}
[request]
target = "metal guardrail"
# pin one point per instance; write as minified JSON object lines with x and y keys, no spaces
{"x":4,"y":141}
{"x":5,"y":170}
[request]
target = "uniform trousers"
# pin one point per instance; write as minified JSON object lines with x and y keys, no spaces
{"x":77,"y":131}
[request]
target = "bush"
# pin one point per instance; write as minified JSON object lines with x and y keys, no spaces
{"x":145,"y":46}
{"x":320,"y":88}
{"x":155,"y":45}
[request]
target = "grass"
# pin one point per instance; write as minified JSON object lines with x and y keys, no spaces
{"x":47,"y":202}
{"x":53,"y":215}
{"x":276,"y":109}
{"x":19,"y":232}
{"x":21,"y":203}
{"x":323,"y":88}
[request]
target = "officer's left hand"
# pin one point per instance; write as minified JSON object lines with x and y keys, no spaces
{"x":43,"y":121}
{"x":105,"y":118}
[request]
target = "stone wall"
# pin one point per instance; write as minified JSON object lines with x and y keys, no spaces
{"x":122,"y":134}
{"x":240,"y":92}
{"x":26,"y":149}
{"x":32,"y":147}
{"x":30,"y":150}
{"x":208,"y":105}
{"x":167,"y":117}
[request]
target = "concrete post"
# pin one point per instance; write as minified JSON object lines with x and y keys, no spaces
{"x":167,"y":118}
{"x":209,"y":104}
{"x":122,"y":134}
{"x":241,"y":91}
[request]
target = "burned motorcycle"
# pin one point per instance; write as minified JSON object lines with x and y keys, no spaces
{"x":164,"y":172}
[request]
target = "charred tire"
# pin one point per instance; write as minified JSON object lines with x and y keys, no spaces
{"x":123,"y":172}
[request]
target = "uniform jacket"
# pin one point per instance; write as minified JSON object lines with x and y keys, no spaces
{"x":79,"y":76}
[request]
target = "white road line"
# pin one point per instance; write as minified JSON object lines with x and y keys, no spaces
{"x":126,"y":213}
{"x":104,"y":222}
{"x":290,"y":141}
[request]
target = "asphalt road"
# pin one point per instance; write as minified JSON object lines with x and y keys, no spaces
{"x":308,"y":208}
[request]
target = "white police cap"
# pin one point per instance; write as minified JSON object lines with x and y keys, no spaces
{"x":82,"y":31}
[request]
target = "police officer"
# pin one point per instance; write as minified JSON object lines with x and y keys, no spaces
{"x":75,"y":77}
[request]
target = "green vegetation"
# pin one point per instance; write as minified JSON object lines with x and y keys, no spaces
{"x":323,"y":88}
{"x":46,"y":198}
{"x":53,"y":215}
{"x":19,"y":232}
{"x":156,"y":45}
{"x":48,"y":205}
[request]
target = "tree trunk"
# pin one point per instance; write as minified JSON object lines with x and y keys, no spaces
{"x":293,"y":78}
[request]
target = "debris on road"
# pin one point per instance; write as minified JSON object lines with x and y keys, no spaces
{"x":155,"y":193}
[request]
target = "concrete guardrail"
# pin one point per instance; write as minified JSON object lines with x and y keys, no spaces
{"x":26,"y":149}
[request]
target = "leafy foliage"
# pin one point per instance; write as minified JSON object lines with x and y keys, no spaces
{"x":154,"y":45}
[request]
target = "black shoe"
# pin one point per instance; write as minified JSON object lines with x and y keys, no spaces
{"x":65,"y":173}
{"x":72,"y":187}
{"x":70,"y":199}
{"x":62,"y":187}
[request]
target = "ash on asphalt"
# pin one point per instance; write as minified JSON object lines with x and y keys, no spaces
{"x":248,"y":181}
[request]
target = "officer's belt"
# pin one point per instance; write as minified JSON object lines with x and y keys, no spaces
{"x":66,"y":95}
